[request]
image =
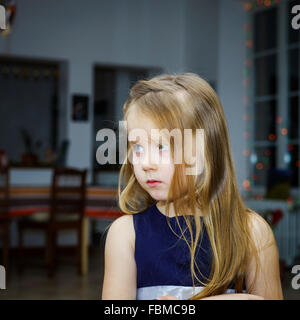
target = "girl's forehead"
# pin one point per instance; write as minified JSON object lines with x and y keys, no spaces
{"x":144,"y":124}
{"x":136,"y":120}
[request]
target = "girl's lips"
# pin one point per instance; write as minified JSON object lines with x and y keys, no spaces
{"x":153,"y":183}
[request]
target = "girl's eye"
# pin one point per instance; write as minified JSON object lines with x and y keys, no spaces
{"x":163,"y":147}
{"x":137,"y":148}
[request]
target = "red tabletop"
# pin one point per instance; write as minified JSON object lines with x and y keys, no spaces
{"x":101,"y":202}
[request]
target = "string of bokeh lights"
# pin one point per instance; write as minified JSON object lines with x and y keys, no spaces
{"x":262,"y":163}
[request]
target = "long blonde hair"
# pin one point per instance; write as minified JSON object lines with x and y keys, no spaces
{"x":186,"y":101}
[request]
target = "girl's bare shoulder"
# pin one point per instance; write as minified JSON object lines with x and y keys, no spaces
{"x":123,"y":228}
{"x":260,"y":230}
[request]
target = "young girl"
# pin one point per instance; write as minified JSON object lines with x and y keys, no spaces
{"x":184,"y":236}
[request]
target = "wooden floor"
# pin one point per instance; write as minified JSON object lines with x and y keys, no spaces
{"x":33,"y":283}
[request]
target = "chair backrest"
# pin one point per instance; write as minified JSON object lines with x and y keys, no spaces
{"x":68,"y":193}
{"x":4,"y":192}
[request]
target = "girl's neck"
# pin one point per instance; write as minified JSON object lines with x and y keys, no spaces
{"x":162,"y":208}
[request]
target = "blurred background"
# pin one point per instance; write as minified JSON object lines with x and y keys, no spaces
{"x":66,"y":68}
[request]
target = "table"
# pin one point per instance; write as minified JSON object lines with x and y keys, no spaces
{"x":101,"y":204}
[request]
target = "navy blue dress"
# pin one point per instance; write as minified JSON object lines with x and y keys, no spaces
{"x":163,"y":259}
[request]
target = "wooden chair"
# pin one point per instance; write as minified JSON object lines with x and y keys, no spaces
{"x":67,"y":209}
{"x":4,"y":215}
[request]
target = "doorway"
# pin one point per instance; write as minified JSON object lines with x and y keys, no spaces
{"x":111,"y":89}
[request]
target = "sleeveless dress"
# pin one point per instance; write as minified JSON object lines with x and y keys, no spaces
{"x":163,"y":259}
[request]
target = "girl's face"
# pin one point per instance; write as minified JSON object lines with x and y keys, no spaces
{"x":151,"y":159}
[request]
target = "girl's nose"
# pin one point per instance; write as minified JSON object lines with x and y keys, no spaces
{"x":148,"y":163}
{"x":149,"y":166}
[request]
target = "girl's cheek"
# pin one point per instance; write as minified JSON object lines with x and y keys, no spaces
{"x":165,"y":157}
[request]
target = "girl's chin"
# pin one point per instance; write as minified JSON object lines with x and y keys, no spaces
{"x":158,"y":197}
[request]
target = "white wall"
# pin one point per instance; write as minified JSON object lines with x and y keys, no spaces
{"x":232,"y":56}
{"x":127,"y":32}
{"x":175,"y":35}
{"x":201,"y":38}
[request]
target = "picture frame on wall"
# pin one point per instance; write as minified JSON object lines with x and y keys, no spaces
{"x":80,"y":103}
